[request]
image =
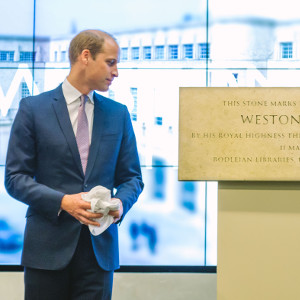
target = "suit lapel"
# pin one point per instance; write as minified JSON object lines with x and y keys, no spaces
{"x":62,"y":114}
{"x":98,"y":125}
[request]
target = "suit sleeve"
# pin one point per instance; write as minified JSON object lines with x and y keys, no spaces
{"x":20,"y":167}
{"x":128,"y":177}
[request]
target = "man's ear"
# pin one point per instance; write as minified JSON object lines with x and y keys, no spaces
{"x":85,"y":56}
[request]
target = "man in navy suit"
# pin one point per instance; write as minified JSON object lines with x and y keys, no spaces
{"x":44,"y":170}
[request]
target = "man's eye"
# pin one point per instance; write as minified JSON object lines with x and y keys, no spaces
{"x":111,"y":62}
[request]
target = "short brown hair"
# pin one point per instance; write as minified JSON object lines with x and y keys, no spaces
{"x":92,"y":40}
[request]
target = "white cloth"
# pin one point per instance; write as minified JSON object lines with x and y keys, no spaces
{"x":101,"y":202}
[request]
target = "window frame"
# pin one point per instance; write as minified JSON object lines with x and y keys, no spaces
{"x":173,"y":52}
{"x":135,"y":53}
{"x":188,"y":51}
{"x":286,"y":50}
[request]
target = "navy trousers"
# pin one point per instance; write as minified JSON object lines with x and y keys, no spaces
{"x":82,"y":279}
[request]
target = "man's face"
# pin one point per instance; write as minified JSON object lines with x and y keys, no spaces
{"x":102,"y":70}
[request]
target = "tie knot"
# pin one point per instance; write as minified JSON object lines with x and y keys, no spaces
{"x":83,"y":99}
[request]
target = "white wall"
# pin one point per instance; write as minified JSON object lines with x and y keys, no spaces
{"x":135,"y":286}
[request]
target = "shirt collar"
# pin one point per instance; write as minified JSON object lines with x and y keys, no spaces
{"x":71,"y":94}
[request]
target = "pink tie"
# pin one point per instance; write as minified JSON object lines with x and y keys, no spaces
{"x":82,"y":135}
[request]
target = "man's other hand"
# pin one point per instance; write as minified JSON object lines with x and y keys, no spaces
{"x":117,"y":214}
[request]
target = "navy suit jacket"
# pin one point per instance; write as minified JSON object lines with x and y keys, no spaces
{"x":43,"y":164}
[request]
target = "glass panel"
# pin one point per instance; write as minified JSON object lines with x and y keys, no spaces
{"x":11,"y":14}
{"x":150,"y":74}
{"x":15,"y":83}
{"x":268,"y":9}
{"x":167,"y":224}
{"x":66,"y":16}
{"x":158,"y":100}
{"x":253,"y":47}
{"x":12,"y":223}
{"x":16,"y":39}
{"x":211,"y":223}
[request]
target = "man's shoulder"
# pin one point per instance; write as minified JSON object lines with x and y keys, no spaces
{"x":107,"y":103}
{"x":44,"y":96}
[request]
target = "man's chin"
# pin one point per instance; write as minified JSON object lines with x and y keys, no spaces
{"x":103,"y":89}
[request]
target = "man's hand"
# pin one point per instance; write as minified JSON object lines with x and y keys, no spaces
{"x":117,"y":214}
{"x":76,"y":207}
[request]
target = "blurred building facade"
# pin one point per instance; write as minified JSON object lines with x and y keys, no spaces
{"x":154,"y":64}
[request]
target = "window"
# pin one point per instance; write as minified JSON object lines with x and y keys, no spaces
{"x":124,"y":53}
{"x":160,"y":52}
{"x":27,"y":56}
{"x":24,"y":90}
{"x":204,"y":51}
{"x":135,"y":53}
{"x":173,"y":52}
{"x":158,"y":120}
{"x":159,"y":177}
{"x":188,"y":196}
{"x":147,"y":52}
{"x":7,"y":55}
{"x":188,"y":51}
{"x":63,"y":56}
{"x":133,"y":114}
{"x":286,"y":50}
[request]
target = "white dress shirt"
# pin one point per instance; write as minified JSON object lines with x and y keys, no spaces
{"x":72,"y":96}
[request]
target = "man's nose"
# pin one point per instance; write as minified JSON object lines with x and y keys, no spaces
{"x":115,"y":72}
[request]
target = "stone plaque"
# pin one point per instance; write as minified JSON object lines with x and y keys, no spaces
{"x":239,"y":134}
